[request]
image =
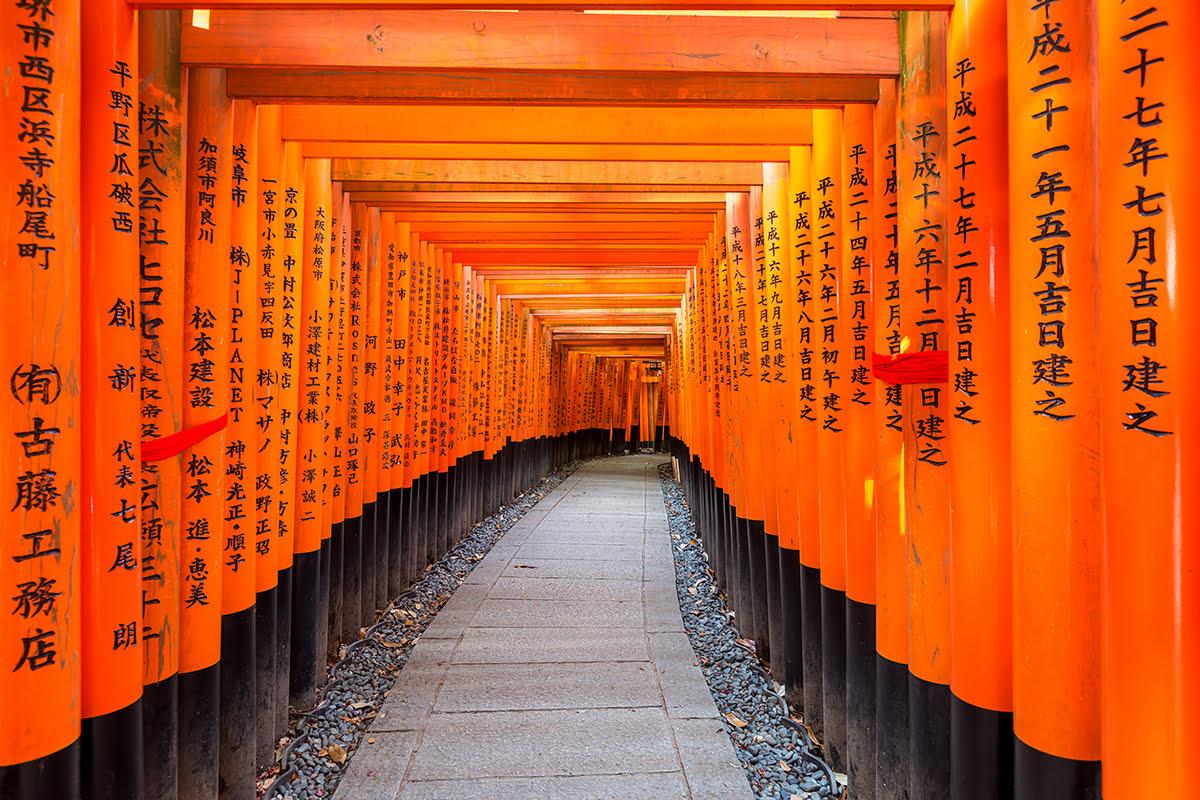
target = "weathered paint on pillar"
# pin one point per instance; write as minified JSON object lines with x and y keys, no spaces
{"x":289,"y":321}
{"x":267,"y":318}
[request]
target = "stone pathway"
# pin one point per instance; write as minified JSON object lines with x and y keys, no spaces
{"x":559,"y":669}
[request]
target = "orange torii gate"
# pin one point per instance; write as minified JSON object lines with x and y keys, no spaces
{"x":925,"y":386}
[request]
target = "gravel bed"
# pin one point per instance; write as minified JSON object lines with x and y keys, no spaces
{"x":322,"y":740}
{"x":777,"y":752}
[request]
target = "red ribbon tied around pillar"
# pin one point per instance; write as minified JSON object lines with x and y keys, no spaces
{"x":175,"y":443}
{"x":930,"y":366}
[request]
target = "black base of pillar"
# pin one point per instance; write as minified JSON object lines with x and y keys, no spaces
{"x":369,"y":566}
{"x":265,"y":611}
{"x":775,"y":648}
{"x":160,"y":739}
{"x":833,"y":675}
{"x":1041,"y":776}
{"x":308,"y":657}
{"x":981,"y":752}
{"x":199,"y":739}
{"x":810,"y":625}
{"x":236,"y":773}
{"x":929,"y":737}
{"x":283,"y":650}
{"x":55,"y":775}
{"x":891,"y":730}
{"x":793,"y":626}
{"x":111,"y":755}
{"x":351,"y":579}
{"x":860,"y":698}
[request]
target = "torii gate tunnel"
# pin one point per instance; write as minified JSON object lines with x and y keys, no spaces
{"x":910,"y":289}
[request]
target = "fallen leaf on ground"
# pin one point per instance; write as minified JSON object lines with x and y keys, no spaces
{"x":337,"y":753}
{"x":783,"y":766}
{"x":524,"y":566}
{"x":737,"y":723}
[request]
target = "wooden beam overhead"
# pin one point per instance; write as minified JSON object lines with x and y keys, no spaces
{"x":495,"y":87}
{"x":544,"y":41}
{"x":472,"y":151}
{"x":544,"y":125}
{"x":672,"y":6}
{"x":560,"y":188}
{"x":354,"y":171}
{"x":400,"y":200}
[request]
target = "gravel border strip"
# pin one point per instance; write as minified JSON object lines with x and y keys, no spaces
{"x":778,"y":754}
{"x":323,"y":739}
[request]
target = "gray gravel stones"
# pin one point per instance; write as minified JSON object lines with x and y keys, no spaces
{"x":322,"y":740}
{"x":775,"y":750}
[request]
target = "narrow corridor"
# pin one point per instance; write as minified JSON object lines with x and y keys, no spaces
{"x":560,"y":668}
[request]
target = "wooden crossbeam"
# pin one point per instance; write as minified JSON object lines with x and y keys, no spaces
{"x":490,"y":87}
{"x":544,"y":41}
{"x":536,"y":173}
{"x":544,"y":125}
{"x":558,"y":201}
{"x":754,"y":153}
{"x":674,"y":6}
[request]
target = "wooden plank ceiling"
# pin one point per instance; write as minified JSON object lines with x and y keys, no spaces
{"x":577,"y":161}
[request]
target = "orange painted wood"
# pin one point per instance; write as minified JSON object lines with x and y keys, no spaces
{"x":533,"y":173}
{"x":677,"y":6}
{"x":312,"y":321}
{"x":268,"y":327}
{"x":40,"y":413}
{"x":859,"y":229}
{"x":206,"y":379}
{"x":1057,"y":522}
{"x":544,"y":125}
{"x":543,"y":152}
{"x":980,"y":429}
{"x":110,"y":480}
{"x":355,"y":378}
{"x":289,"y":320}
{"x":1151,"y":639}
{"x":372,"y":302}
{"x":238,"y":582}
{"x":891,"y":574}
{"x":921,"y":144}
{"x":533,"y":41}
{"x":550,"y":188}
{"x":333,"y":499}
{"x":496,"y":86}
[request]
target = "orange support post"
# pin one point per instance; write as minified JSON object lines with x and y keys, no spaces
{"x":355,"y":386}
{"x":806,"y":632}
{"x":780,"y":308}
{"x":309,"y":610}
{"x":206,"y":393}
{"x":402,"y":398}
{"x":271,"y":716}
{"x":369,"y":420}
{"x":1057,"y":522}
{"x":388,"y":423}
{"x":891,"y":542}
{"x":979,"y":441}
{"x":337,"y":379}
{"x":40,"y":403}
{"x":1148,"y":333}
{"x":161,"y":240}
{"x":858,"y":459}
{"x":110,"y":596}
{"x":921,"y":143}
{"x":829,"y":358}
{"x":238,"y":635}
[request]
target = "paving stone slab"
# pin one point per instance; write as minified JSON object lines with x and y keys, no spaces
{"x":377,"y":767}
{"x":526,"y":613}
{"x":410,"y":700}
{"x":654,"y":786}
{"x":567,"y":589}
{"x":514,"y":687}
{"x":575,"y":551}
{"x":684,"y":688}
{"x":709,"y":763}
{"x":544,"y":743}
{"x":540,"y":645}
{"x":583,"y":534}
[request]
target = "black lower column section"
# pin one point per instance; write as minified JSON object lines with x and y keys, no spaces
{"x":324,"y":581}
{"x":757,"y":539}
{"x":793,"y":637}
{"x":810,"y":623}
{"x":775,"y":653}
{"x":383,"y":558}
{"x":333,"y":639}
{"x":55,"y":775}
{"x":236,"y":773}
{"x":929,"y":737}
{"x":111,"y":755}
{"x":891,"y":730}
{"x":833,"y":675}
{"x":396,"y":544}
{"x":307,"y":655}
{"x":981,"y":752}
{"x":160,"y":739}
{"x":199,"y":741}
{"x":1041,"y":776}
{"x":283,"y":650}
{"x":860,"y":698}
{"x":351,"y":578}
{"x":369,"y":565}
{"x":265,"y":612}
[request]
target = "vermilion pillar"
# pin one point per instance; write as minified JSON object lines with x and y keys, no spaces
{"x":40,"y":402}
{"x":979,"y":426}
{"x":110,"y":599}
{"x":1148,"y":386}
{"x":161,"y":203}
{"x":1057,"y":520}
